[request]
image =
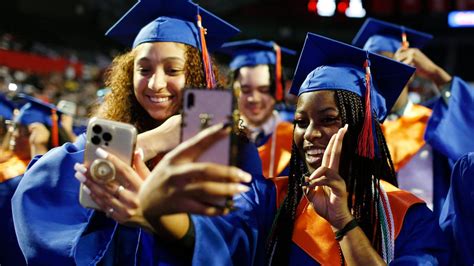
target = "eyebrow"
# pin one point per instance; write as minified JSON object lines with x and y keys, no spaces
{"x":144,"y":58}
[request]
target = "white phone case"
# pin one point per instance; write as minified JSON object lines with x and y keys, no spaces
{"x":114,"y":137}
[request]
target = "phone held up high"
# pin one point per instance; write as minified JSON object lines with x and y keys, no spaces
{"x":203,"y":108}
{"x":114,"y":137}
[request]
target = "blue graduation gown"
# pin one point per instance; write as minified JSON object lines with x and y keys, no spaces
{"x":457,"y":217}
{"x":449,"y":133}
{"x":10,"y":253}
{"x":238,"y":238}
{"x":54,"y":229}
{"x":451,"y":124}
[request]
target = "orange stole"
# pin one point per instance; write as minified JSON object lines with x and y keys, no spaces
{"x":11,"y":168}
{"x":313,"y":234}
{"x":405,"y":135}
{"x":283,"y":142}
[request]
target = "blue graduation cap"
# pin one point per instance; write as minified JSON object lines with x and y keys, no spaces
{"x":378,"y":36}
{"x":256,"y":52}
{"x":38,"y":111}
{"x":326,"y":64}
{"x":170,"y":21}
{"x":6,"y":108}
{"x":252,"y":52}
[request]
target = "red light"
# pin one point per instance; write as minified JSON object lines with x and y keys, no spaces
{"x":342,"y":6}
{"x":312,"y":6}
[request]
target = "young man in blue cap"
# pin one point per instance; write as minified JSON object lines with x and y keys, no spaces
{"x":415,"y":134}
{"x":258,"y":82}
{"x":334,"y":207}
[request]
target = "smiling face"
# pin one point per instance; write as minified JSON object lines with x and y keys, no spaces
{"x":255,"y":100}
{"x":317,"y":118}
{"x":159,"y":77}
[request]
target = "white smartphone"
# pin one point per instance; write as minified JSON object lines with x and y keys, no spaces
{"x":116,"y":138}
{"x":203,"y":108}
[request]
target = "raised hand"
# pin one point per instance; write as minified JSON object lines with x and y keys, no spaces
{"x":326,"y":189}
{"x":424,"y":66}
{"x":179,"y":184}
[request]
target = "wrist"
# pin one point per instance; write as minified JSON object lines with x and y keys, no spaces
{"x":441,"y":77}
{"x":339,"y":234}
{"x":338,"y":225}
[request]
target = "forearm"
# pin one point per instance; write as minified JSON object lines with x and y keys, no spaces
{"x":357,"y":249}
{"x":440,"y":77}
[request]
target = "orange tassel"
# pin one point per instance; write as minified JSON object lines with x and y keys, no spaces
{"x":405,"y":43}
{"x":366,"y":137}
{"x":278,"y":74}
{"x":54,"y":128}
{"x":210,"y":80}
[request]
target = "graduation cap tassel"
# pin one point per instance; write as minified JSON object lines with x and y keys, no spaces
{"x":366,"y":137}
{"x":278,"y":74}
{"x":54,"y":128}
{"x":210,"y":79}
{"x":405,"y":43}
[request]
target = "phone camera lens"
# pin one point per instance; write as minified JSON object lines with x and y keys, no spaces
{"x":95,"y":140}
{"x":97,"y":129}
{"x":107,"y":136}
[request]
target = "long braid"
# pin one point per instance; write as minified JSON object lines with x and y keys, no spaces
{"x":279,"y":240}
{"x":357,"y":173}
{"x":361,"y":186}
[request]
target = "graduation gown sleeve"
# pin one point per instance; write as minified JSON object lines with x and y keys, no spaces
{"x":48,"y":219}
{"x":457,"y":217}
{"x":451,"y":124}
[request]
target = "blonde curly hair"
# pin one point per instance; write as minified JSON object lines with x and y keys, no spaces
{"x":121,"y":104}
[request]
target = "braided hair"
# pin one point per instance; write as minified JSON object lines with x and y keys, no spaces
{"x":357,"y":173}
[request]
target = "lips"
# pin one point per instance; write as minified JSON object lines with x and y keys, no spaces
{"x":313,"y":154}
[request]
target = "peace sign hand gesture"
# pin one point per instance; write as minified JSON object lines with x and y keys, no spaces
{"x":326,"y":189}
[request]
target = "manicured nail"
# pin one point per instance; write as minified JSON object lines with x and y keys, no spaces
{"x":86,"y":189}
{"x":79,"y":176}
{"x":139,"y":151}
{"x":80,"y":168}
{"x":346,"y":126}
{"x":101,"y":153}
{"x":242,"y":188}
{"x":244,"y":176}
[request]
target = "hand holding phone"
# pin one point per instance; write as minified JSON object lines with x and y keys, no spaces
{"x":114,"y":137}
{"x":203,"y":108}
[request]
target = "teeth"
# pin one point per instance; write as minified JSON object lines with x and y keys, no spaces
{"x":315,"y":151}
{"x":159,"y":99}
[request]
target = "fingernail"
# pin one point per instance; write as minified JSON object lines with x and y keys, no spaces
{"x":346,"y":126}
{"x":139,"y":151}
{"x":242,"y":188}
{"x":101,"y":153}
{"x":80,"y":168}
{"x":79,"y":176}
{"x":244,"y":176}
{"x":86,"y":189}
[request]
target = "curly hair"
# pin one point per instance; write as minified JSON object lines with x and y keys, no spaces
{"x":121,"y":104}
{"x":360,"y":174}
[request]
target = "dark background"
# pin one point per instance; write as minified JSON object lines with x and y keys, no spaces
{"x":81,"y":24}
